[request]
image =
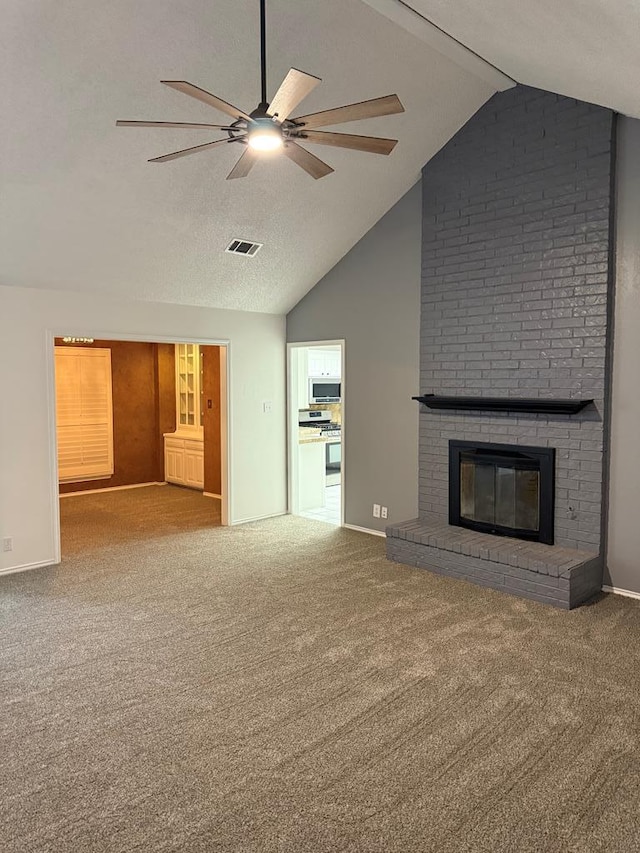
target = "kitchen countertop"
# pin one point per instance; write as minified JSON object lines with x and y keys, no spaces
{"x":312,"y":436}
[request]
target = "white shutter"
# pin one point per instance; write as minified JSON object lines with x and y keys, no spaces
{"x":84,"y":413}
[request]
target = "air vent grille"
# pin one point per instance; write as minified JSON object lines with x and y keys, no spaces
{"x":244,"y":247}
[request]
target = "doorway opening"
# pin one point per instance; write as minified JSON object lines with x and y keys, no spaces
{"x":316,"y":426}
{"x":140,"y":439}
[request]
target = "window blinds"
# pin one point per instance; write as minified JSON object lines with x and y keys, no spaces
{"x":84,"y":413}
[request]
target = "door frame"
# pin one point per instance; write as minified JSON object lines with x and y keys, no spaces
{"x":292,"y":424}
{"x":225,"y":412}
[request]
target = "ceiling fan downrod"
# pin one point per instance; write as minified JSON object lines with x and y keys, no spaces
{"x":263,"y":56}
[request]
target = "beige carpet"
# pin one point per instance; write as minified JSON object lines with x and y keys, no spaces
{"x":133,"y":515}
{"x":281,"y":687}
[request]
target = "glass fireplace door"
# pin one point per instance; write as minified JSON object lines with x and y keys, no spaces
{"x":498,"y":494}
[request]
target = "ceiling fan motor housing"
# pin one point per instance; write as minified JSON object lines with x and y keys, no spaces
{"x":261,"y":111}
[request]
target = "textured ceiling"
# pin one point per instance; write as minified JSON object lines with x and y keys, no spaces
{"x":81,"y":209}
{"x":587,"y":49}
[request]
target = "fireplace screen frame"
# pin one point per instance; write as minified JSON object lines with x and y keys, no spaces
{"x":510,"y":454}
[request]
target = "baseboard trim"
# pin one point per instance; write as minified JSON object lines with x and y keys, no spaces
{"x":366,"y":530}
{"x":108,"y":489}
{"x":211,"y":495}
{"x":26,"y":567}
{"x":617,"y":591}
{"x":256,"y":518}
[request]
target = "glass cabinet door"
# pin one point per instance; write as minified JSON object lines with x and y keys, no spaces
{"x":188,"y":386}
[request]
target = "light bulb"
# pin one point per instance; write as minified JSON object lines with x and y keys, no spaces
{"x":265,"y":136}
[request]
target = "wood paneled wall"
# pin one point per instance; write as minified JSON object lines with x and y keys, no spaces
{"x":143,"y":409}
{"x":211,"y":419}
{"x":165,"y":399}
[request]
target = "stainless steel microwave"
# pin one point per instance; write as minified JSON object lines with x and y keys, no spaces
{"x":324,"y":390}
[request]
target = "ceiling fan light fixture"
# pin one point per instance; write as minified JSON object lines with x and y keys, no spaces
{"x":268,"y":129}
{"x":264,"y":135}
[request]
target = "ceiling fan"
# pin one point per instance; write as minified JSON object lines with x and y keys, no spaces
{"x":269,"y":127}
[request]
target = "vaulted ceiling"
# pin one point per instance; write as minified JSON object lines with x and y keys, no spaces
{"x":81,"y":209}
{"x":586,"y":49}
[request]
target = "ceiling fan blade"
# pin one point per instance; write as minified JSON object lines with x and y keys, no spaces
{"x":294,"y":88}
{"x":206,"y":98}
{"x":306,"y":160}
{"x":388,"y":105}
{"x":372,"y":144}
{"x":121,"y":123}
{"x":185,"y":151}
{"x":244,"y":164}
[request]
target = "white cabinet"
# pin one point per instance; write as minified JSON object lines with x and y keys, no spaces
{"x":311,"y":475}
{"x":316,"y":363}
{"x":184,"y":461}
{"x":184,"y":448}
{"x":173,"y":461}
{"x":194,"y":464}
{"x":325,"y":362}
{"x":334,"y":363}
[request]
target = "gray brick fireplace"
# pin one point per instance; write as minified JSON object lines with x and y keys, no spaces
{"x":516,"y":281}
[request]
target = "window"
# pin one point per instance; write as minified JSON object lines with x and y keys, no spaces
{"x":84,"y":413}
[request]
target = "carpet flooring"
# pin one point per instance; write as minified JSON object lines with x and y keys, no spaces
{"x":280,"y":686}
{"x":106,"y":519}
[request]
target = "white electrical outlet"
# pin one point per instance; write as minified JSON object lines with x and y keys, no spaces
{"x":7,"y":544}
{"x":376,"y":510}
{"x":384,"y":512}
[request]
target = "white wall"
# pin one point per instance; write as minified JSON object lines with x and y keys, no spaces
{"x":623,"y":556}
{"x":257,"y":364}
{"x":371,"y":300}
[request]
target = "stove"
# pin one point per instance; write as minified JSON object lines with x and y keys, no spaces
{"x":319,"y":419}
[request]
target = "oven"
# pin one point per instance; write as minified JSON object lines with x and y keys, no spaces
{"x":333,"y":455}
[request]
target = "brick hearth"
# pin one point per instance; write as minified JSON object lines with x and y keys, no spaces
{"x":554,"y":575}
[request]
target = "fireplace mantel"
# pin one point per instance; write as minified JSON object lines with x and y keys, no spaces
{"x":538,"y":405}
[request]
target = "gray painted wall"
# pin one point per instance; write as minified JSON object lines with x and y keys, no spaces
{"x":371,"y":298}
{"x":623,"y":558}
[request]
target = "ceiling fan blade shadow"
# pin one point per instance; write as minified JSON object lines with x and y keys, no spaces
{"x":181,"y":124}
{"x":388,"y":105}
{"x":294,"y":88}
{"x":371,"y":144}
{"x":244,"y":164}
{"x":206,"y":98}
{"x":186,"y":151}
{"x":313,"y":165}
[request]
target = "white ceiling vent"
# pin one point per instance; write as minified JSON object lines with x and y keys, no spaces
{"x":244,"y":247}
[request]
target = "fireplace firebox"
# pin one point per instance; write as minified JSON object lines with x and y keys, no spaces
{"x":502,"y":489}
